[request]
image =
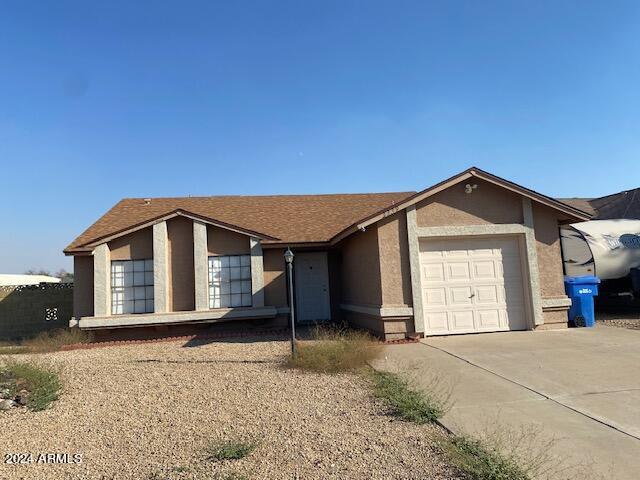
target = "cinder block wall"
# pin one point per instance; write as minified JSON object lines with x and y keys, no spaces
{"x":26,"y":310}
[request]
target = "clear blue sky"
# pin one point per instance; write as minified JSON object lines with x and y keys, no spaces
{"x":104,"y":100}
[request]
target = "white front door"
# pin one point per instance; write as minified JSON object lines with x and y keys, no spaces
{"x":312,"y":287}
{"x":472,"y":285}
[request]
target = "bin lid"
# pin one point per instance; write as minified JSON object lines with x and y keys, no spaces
{"x":582,"y":280}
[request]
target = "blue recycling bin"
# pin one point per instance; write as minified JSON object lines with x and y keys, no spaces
{"x":581,"y":291}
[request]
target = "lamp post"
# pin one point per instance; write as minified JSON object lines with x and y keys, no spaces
{"x":288,"y":258}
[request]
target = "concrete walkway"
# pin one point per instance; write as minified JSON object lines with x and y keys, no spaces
{"x":579,"y":387}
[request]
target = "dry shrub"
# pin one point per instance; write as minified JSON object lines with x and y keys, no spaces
{"x":54,"y":340}
{"x":334,"y":350}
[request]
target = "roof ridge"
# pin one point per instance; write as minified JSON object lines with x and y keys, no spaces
{"x":272,"y":195}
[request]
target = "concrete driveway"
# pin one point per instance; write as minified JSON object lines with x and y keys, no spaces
{"x":580,"y":387}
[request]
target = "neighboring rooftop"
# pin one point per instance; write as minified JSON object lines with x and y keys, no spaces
{"x":625,"y":204}
{"x":286,"y":218}
{"x":17,"y":279}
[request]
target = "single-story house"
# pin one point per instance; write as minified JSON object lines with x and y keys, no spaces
{"x":473,"y":253}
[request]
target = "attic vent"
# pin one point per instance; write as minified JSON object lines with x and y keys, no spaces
{"x":147,"y":201}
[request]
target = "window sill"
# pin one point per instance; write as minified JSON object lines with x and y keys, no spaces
{"x":149,"y":319}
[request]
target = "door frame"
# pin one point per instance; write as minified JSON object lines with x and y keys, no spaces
{"x":528,"y":255}
{"x":296,"y":277}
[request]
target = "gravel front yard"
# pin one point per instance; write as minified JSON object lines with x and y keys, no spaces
{"x":621,"y":320}
{"x":147,"y":411}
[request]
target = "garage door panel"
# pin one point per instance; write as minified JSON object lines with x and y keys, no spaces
{"x":437,"y":321}
{"x":460,"y":296}
{"x":484,"y":269}
{"x":488,"y":319}
{"x":435,"y":296}
{"x":461,"y":320}
{"x":432,"y":272}
{"x":472,"y":285}
{"x":488,"y":294}
{"x":458,"y":271}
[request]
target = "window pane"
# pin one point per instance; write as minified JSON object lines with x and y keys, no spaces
{"x":246,"y":300}
{"x":138,"y":265}
{"x":138,"y":278}
{"x":148,"y":294}
{"x":245,"y":260}
{"x":224,"y":261}
{"x":128,"y":266}
{"x":139,"y":306}
{"x":235,"y":273}
{"x":225,"y":301}
{"x":148,"y":265}
{"x":234,"y":261}
{"x":128,"y":279}
{"x":128,"y":306}
{"x":236,"y":287}
{"x":246,"y":286}
{"x":245,"y":272}
{"x":225,"y":275}
{"x":148,"y":278}
{"x":236,"y":300}
{"x":225,"y":288}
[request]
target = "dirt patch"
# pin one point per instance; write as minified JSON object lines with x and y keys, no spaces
{"x":621,"y":320}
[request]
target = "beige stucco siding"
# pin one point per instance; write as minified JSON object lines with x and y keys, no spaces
{"x":275,"y":280}
{"x":181,"y":271}
{"x":134,"y":246}
{"x":548,"y":249}
{"x":82,"y":286}
{"x":487,"y":204}
{"x":360,"y":269}
{"x":395,"y":271}
{"x":226,"y":242}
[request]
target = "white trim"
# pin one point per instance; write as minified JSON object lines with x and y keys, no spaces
{"x":560,"y":303}
{"x":532,"y":261}
{"x":160,"y":268}
{"x":102,"y":280}
{"x":414,"y":263}
{"x":379,"y":311}
{"x":200,"y":265}
{"x":257,"y":272}
{"x":141,"y":320}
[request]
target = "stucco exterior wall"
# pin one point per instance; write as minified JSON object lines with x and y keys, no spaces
{"x":275,"y":279}
{"x":548,"y":249}
{"x":83,"y":286}
{"x":226,"y":242}
{"x":181,"y":270}
{"x":360,"y":269}
{"x":487,"y":204}
{"x":395,"y":271}
{"x":135,"y":246}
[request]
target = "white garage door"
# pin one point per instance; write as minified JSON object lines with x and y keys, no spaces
{"x":472,"y":285}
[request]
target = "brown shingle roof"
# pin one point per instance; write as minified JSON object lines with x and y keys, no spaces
{"x":285,"y":218}
{"x":624,"y":204}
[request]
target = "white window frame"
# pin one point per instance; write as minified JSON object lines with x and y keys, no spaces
{"x":230,"y":281}
{"x":132,"y":286}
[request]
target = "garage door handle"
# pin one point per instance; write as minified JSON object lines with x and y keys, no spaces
{"x":472,"y":295}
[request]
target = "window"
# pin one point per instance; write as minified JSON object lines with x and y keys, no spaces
{"x":131,"y":286}
{"x":230,"y":281}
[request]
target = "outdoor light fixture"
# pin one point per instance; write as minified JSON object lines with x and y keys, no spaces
{"x":288,"y":257}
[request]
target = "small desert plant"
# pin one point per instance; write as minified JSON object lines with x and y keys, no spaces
{"x":405,"y":401}
{"x":54,"y":340}
{"x":334,"y":350}
{"x":230,"y":449}
{"x":42,"y":383}
{"x":481,"y":462}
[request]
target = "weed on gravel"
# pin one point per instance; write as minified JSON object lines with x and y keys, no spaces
{"x":404,"y":401}
{"x":42,"y":384}
{"x":230,"y":449}
{"x":335,"y":350}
